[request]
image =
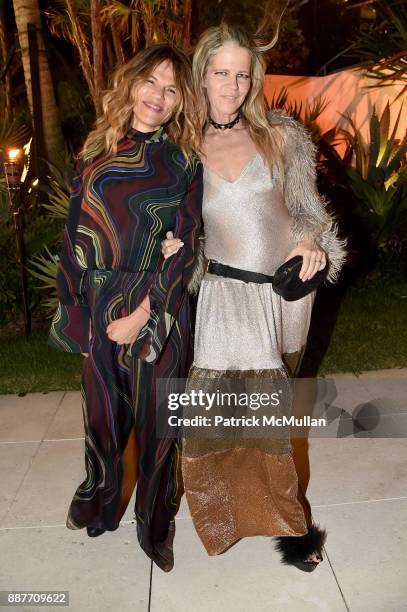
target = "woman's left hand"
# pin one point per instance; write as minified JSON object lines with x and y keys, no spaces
{"x":127,"y":329}
{"x":314,"y":258}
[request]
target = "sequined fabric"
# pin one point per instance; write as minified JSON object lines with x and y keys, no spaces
{"x":239,"y":486}
{"x":239,"y":493}
{"x":246,"y":221}
{"x":247,"y":325}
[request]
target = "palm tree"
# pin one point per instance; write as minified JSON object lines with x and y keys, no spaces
{"x":4,"y":52}
{"x":27,"y":12}
{"x":187,"y":14}
{"x":70,"y":20}
{"x":383,"y":46}
{"x":149,"y":21}
{"x":123,"y":26}
{"x":97,"y":46}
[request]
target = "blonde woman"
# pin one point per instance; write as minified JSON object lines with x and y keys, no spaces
{"x":120,"y":306}
{"x":261,"y":207}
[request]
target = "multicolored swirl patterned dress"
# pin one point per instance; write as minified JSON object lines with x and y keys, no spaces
{"x":121,"y":206}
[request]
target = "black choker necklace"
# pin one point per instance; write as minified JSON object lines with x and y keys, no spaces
{"x":225,"y":126}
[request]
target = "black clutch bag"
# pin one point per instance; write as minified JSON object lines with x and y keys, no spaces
{"x":287,"y":283}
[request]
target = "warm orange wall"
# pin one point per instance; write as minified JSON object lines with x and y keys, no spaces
{"x":345,"y":92}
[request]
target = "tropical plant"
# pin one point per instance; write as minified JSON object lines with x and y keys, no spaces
{"x":39,"y":230}
{"x":307,"y":114}
{"x":6,"y":55}
{"x":44,"y":268}
{"x":330,"y":165}
{"x":290,"y":52}
{"x":104,"y":36}
{"x":378,"y":181}
{"x":79,"y":22}
{"x":28,"y":12}
{"x":383,"y":46}
{"x":149,"y":22}
{"x":44,"y":264}
{"x":9,"y":282}
{"x":58,"y":189}
{"x":13,"y":134}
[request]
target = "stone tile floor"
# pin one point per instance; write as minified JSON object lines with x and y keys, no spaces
{"x":358,"y":492}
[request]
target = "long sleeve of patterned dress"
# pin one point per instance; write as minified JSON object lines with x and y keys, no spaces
{"x":306,"y":205}
{"x":70,"y":325}
{"x":122,"y":205}
{"x":169,"y":285}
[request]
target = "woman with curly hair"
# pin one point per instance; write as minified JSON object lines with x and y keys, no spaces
{"x":120,"y":304}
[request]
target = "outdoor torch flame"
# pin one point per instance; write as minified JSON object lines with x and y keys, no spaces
{"x":14,"y":154}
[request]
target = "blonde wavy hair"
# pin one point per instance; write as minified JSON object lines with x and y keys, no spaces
{"x":119,"y":101}
{"x":266,"y":137}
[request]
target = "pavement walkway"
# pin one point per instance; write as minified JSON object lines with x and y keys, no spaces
{"x":358,"y":492}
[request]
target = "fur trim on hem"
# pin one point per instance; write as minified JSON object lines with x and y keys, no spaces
{"x":297,"y":548}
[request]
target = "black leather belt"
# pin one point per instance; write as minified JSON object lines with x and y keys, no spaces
{"x":213,"y":267}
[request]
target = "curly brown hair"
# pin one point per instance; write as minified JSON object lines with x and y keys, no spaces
{"x":119,"y":101}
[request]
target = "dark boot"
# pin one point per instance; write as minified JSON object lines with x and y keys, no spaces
{"x":294,"y":549}
{"x":93,"y":532}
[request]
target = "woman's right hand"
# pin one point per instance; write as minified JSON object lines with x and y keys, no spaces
{"x":171,"y":245}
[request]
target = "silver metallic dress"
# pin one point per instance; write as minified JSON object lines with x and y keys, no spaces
{"x":240,"y":486}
